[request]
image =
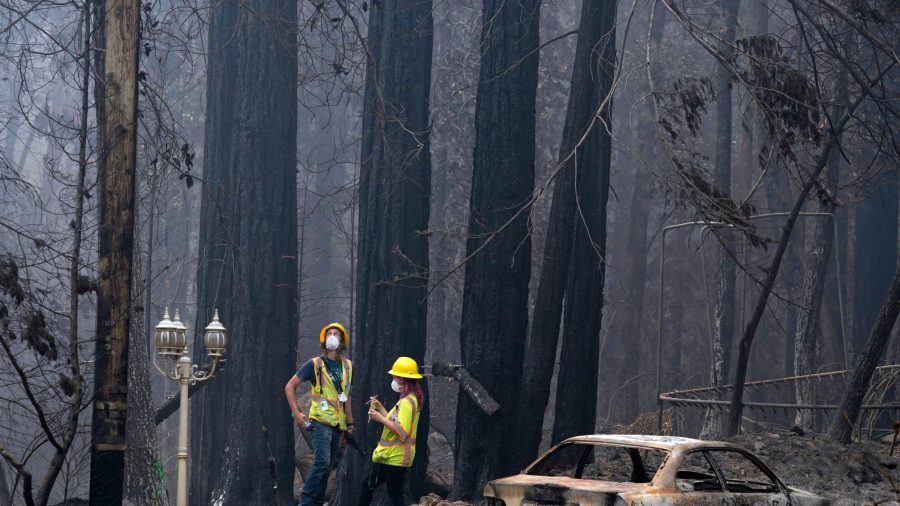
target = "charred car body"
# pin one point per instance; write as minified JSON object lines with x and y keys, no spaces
{"x":646,"y":470}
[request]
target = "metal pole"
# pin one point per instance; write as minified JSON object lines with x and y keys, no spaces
{"x":662,"y":275}
{"x":184,"y":378}
{"x":840,"y":292}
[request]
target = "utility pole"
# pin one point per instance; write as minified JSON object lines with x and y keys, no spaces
{"x":116,"y":246}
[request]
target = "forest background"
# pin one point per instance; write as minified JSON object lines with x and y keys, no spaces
{"x":484,"y":186}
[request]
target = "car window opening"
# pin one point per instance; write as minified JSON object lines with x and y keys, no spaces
{"x":600,"y":462}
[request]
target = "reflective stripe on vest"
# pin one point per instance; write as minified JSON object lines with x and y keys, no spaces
{"x":396,"y":442}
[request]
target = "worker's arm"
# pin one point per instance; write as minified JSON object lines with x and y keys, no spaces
{"x":290,"y":391}
{"x":402,"y":425}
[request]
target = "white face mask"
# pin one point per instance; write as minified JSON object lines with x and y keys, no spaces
{"x":332,"y":342}
{"x":395,"y":386}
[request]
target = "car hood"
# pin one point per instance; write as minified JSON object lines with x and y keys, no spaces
{"x":559,"y":490}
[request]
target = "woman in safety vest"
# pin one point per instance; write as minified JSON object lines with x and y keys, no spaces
{"x":330,"y":412}
{"x":397,"y":448}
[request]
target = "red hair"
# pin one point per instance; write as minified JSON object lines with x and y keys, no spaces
{"x":411,"y":386}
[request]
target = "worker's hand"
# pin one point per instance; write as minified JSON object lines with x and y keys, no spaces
{"x":351,"y":427}
{"x":375,"y":404}
{"x":376,"y":416}
{"x":300,"y":420}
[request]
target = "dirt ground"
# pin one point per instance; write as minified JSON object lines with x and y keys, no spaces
{"x":860,"y":473}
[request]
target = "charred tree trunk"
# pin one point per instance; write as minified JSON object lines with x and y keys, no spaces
{"x":495,"y":300}
{"x":848,"y":413}
{"x":116,"y":243}
{"x":142,"y":484}
{"x":725,"y":279}
{"x":248,"y":251}
{"x":578,"y":155}
{"x":820,"y":240}
{"x":394,"y":207}
{"x":576,"y":394}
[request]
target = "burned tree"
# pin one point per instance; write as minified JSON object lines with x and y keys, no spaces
{"x":576,"y":393}
{"x":248,"y":252}
{"x":394,"y":206}
{"x":569,"y":247}
{"x":498,"y":249}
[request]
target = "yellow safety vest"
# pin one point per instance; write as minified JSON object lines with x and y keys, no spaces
{"x":326,"y":407}
{"x":398,"y":447}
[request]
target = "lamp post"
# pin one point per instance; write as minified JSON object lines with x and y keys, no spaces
{"x":171,"y":346}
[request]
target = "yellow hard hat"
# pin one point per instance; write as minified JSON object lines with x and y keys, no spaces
{"x":405,"y":367}
{"x":338,"y":326}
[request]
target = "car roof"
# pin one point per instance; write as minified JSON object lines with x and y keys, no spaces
{"x":668,"y":443}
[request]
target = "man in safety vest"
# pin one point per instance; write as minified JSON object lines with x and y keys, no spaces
{"x":330,"y":412}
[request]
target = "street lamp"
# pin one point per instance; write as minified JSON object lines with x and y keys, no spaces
{"x":171,"y":346}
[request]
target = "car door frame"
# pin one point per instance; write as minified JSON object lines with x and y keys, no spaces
{"x":782,"y":488}
{"x":705,"y":497}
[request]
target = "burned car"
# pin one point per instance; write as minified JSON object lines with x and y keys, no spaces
{"x":646,"y":470}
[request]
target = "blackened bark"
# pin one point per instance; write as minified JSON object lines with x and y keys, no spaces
{"x":848,"y":413}
{"x":143,"y":485}
{"x":726,"y":274}
{"x":394,"y":207}
{"x":248,"y":251}
{"x":115,"y":253}
{"x":576,"y":393}
{"x":495,"y":311}
{"x":584,"y":99}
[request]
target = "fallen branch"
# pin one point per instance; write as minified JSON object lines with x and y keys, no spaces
{"x":470,"y":385}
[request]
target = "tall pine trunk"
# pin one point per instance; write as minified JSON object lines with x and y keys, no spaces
{"x":725,"y":279}
{"x":576,"y":386}
{"x":248,"y":247}
{"x":495,"y":300}
{"x":394,"y":206}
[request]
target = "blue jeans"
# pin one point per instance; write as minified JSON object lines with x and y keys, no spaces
{"x":326,"y":443}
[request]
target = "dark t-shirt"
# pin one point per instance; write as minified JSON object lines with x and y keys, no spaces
{"x":305,"y":372}
{"x":335,"y":370}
